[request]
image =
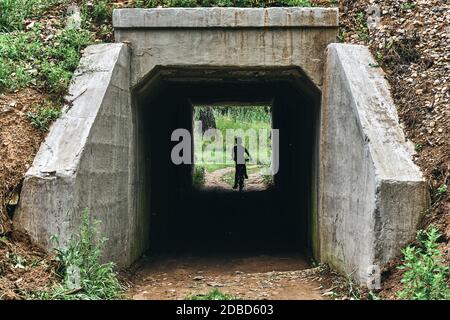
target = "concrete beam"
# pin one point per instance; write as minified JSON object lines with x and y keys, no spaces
{"x":225,"y":18}
{"x":226,"y":38}
{"x":371,"y":194}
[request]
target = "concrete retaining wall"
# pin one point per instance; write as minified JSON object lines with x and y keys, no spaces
{"x":371,"y":194}
{"x":86,"y":160}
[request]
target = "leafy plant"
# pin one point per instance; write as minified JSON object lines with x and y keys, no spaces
{"x":409,"y":5}
{"x":222,"y":3}
{"x":214,"y":294}
{"x":426,"y":275}
{"x":361,"y":26}
{"x":441,"y":191}
{"x":96,"y":11}
{"x":13,"y":13}
{"x":44,"y":116}
{"x":84,"y":277}
{"x":199,"y":176}
{"x":26,"y":60}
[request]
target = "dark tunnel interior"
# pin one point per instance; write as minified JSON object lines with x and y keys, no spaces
{"x":183,"y":219}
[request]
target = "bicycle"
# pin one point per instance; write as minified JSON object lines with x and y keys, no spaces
{"x":241,"y":168}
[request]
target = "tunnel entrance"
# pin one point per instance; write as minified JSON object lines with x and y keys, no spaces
{"x":182,"y":218}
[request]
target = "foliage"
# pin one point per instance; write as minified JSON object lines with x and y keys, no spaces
{"x":361,"y":26}
{"x":425,"y":276}
{"x":26,"y":60}
{"x":199,"y":176}
{"x":44,"y":115}
{"x":408,"y":5}
{"x":244,"y":113}
{"x":84,"y":277}
{"x":13,"y":13}
{"x":441,"y":191}
{"x":214,"y":294}
{"x":222,"y":3}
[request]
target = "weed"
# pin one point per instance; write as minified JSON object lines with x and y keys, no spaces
{"x":441,"y":191}
{"x":222,"y":3}
{"x":342,"y":35}
{"x":26,"y":60}
{"x":361,"y":26}
{"x":299,"y":3}
{"x":13,"y":13}
{"x":84,"y":277}
{"x":199,"y":176}
{"x":409,"y":5}
{"x":43,"y":116}
{"x":96,"y":11}
{"x":426,"y":275}
{"x":214,"y":294}
{"x":17,"y":261}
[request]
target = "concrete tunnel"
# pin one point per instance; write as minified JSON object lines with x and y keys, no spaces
{"x":347,"y":191}
{"x":182,"y":217}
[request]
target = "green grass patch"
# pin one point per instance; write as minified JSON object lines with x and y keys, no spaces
{"x":25,"y":60}
{"x":83,"y":276}
{"x":214,"y":294}
{"x":222,"y":3}
{"x":44,"y":115}
{"x":13,"y":13}
{"x":199,"y":176}
{"x":426,"y":274}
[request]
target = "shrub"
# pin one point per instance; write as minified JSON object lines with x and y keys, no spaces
{"x":199,"y":176}
{"x":84,"y":277}
{"x":425,"y":276}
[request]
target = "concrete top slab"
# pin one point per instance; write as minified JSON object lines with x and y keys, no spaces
{"x":280,"y":17}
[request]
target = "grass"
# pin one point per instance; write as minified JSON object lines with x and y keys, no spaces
{"x":43,"y":116}
{"x":214,"y":294}
{"x":83,"y":276}
{"x":199,"y":176}
{"x":13,"y":13}
{"x":361,"y":26}
{"x":222,"y":3}
{"x":25,"y":60}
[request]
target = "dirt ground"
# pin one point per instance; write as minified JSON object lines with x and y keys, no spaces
{"x":19,"y":142}
{"x":245,"y":277}
{"x":24,"y":267}
{"x":213,"y":180}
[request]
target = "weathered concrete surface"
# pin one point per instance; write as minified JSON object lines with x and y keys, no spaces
{"x":371,"y":194}
{"x":225,"y":18}
{"x":86,"y":161}
{"x":227,"y":37}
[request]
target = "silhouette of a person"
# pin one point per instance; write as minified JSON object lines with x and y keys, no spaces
{"x":238,"y":155}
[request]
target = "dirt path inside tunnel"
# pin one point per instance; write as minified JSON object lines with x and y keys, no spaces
{"x":215,"y":180}
{"x":260,"y":277}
